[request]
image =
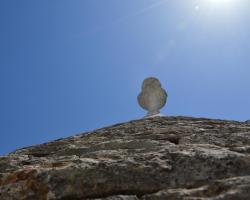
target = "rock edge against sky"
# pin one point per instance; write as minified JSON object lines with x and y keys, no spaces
{"x":149,"y":159}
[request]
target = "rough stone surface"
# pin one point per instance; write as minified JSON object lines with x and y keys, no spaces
{"x":148,"y":159}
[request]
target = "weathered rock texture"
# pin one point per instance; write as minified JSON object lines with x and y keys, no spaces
{"x":149,"y":159}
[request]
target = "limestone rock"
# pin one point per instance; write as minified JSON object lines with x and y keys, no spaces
{"x":152,"y":97}
{"x":148,"y":159}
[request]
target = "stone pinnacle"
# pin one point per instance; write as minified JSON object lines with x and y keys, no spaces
{"x":152,"y":97}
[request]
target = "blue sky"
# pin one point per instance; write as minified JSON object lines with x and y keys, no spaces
{"x":71,"y":66}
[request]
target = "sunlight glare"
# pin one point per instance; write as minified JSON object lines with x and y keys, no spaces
{"x":219,"y":3}
{"x":220,"y":7}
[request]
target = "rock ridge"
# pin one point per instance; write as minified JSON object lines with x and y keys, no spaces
{"x":148,"y":159}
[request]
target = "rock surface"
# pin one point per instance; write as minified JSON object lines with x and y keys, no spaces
{"x":148,"y":159}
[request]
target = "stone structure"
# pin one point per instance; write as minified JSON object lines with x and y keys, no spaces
{"x":150,"y":159}
{"x":152,"y":97}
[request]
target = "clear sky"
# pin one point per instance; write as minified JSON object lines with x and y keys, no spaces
{"x":67,"y":67}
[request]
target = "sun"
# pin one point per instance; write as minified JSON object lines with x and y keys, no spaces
{"x":219,"y":4}
{"x":220,"y":1}
{"x":217,"y":10}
